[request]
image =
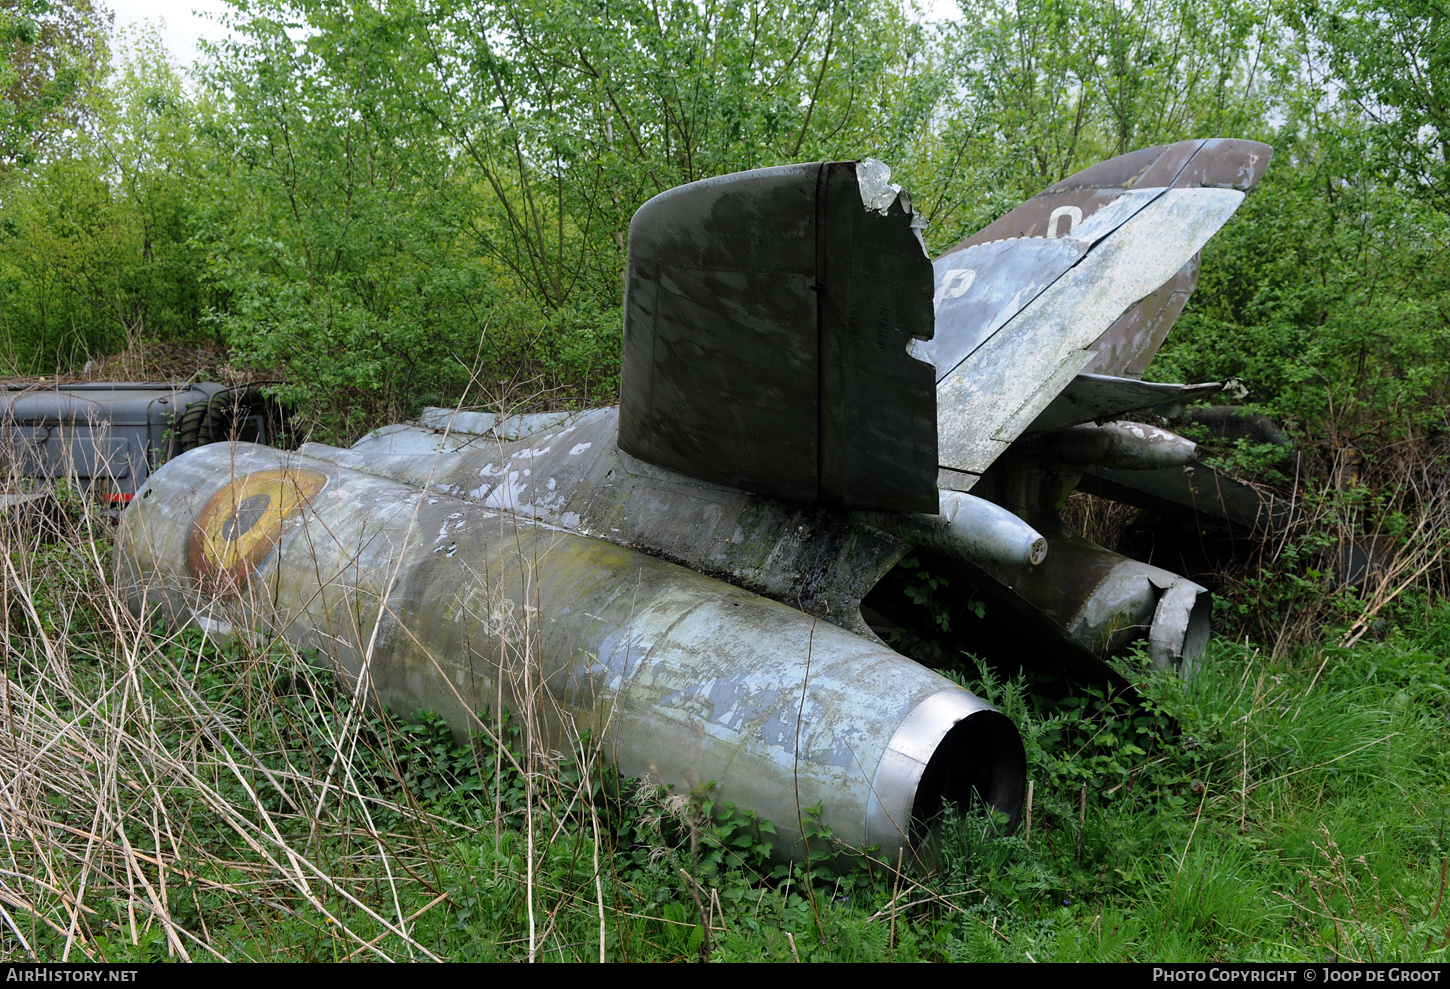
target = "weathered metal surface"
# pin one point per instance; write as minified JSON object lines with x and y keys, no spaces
{"x":980,"y":288}
{"x":491,"y":424}
{"x":1222,"y":163}
{"x":446,"y":430}
{"x":426,"y":601}
{"x":1096,"y":397}
{"x":1086,"y":277}
{"x":985,"y":285}
{"x":767,"y":318}
{"x":1107,"y":601}
{"x":1198,"y":492}
{"x":987,"y":619}
{"x":783,"y":399}
{"x":1128,"y":346}
{"x":1227,"y":422}
{"x":993,"y":395}
{"x":1014,"y":258}
{"x":820,"y":560}
{"x":970,"y":529}
{"x":1056,"y":210}
{"x":1124,"y":445}
{"x":408,"y":439}
{"x":105,"y":437}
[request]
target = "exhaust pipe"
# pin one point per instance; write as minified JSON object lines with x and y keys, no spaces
{"x":1105,"y":601}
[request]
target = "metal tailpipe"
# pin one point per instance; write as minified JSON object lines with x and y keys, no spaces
{"x":1106,"y":601}
{"x":428,"y":602}
{"x":972,"y":528}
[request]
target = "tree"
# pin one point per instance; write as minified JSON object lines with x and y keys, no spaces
{"x":1329,"y":293}
{"x":1391,"y":61}
{"x":1044,"y":88}
{"x":96,"y":248}
{"x":49,"y":54}
{"x":560,"y":118}
{"x":407,"y":176}
{"x":331,"y":231}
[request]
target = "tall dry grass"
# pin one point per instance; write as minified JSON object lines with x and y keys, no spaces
{"x":163,"y":795}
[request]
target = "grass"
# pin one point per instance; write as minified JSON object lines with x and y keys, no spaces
{"x":1241,"y":816}
{"x":162,"y":797}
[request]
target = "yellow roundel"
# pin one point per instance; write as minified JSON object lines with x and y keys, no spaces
{"x":240,"y":525}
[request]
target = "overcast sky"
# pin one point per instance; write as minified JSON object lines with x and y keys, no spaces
{"x":184,"y":22}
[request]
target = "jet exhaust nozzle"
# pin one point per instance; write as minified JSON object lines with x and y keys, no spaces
{"x":1106,"y":601}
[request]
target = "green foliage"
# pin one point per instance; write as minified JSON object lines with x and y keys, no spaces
{"x":330,"y":242}
{"x":50,"y":54}
{"x":922,"y":593}
{"x":1392,"y":61}
{"x":568,"y":116}
{"x":408,"y":204}
{"x":95,"y":244}
{"x":1044,"y":88}
{"x":1327,"y":294}
{"x":923,"y":629}
{"x":1240,"y":814}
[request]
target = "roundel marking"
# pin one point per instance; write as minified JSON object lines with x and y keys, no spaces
{"x":239,"y":526}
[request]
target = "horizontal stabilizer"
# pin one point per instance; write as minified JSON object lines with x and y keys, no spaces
{"x":1097,"y":397}
{"x":1001,"y":388}
{"x":1199,"y":492}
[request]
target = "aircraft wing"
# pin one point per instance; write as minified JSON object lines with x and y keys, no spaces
{"x":1086,"y":276}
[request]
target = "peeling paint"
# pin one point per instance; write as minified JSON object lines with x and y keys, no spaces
{"x":634,"y":503}
{"x":507,"y":494}
{"x":991,"y":397}
{"x":701,"y":681}
{"x":878,"y":192}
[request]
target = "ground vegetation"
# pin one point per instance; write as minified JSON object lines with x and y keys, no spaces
{"x":427,"y":202}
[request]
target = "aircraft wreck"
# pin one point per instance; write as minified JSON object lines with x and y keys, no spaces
{"x":106,"y":437}
{"x":693,"y":576}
